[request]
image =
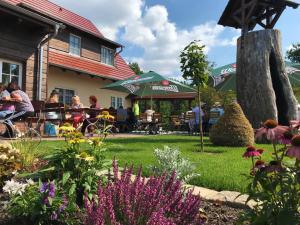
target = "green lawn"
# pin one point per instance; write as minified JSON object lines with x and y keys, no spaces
{"x":221,"y":168}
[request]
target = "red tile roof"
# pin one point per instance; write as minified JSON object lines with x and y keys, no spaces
{"x":119,"y":72}
{"x":56,"y":12}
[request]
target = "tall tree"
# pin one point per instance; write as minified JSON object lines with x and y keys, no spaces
{"x":136,"y":68}
{"x":195,"y":68}
{"x":294,"y":53}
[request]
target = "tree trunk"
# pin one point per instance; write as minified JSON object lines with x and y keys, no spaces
{"x":200,"y":120}
{"x":263,"y":87}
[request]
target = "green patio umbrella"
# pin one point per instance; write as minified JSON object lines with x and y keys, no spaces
{"x":224,"y":78}
{"x":149,"y":84}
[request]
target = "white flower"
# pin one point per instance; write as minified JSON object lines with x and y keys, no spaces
{"x":3,"y":156}
{"x":14,"y":188}
{"x":13,"y":151}
{"x":30,"y":182}
{"x":5,"y":145}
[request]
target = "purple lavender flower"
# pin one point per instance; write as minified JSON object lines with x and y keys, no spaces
{"x":54,"y":216}
{"x":52,"y":190}
{"x":159,"y":201}
{"x":44,"y":187}
{"x":63,"y":205}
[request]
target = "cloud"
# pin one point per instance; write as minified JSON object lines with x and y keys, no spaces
{"x":108,"y":15}
{"x":149,"y":29}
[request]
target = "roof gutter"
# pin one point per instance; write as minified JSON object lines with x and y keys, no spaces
{"x":40,"y":52}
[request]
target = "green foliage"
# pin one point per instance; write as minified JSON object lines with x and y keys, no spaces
{"x":29,"y":153}
{"x":297,"y":93}
{"x":294,"y":53}
{"x":77,"y":166}
{"x":74,"y":170}
{"x":232,"y":129}
{"x":170,"y":160}
{"x":209,"y":96}
{"x":10,"y":162}
{"x":194,"y":64}
{"x":227,"y":97}
{"x":136,"y":68}
{"x":40,"y":207}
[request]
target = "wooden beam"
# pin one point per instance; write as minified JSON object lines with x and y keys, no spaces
{"x":261,"y":24}
{"x":276,"y":18}
{"x":252,"y":7}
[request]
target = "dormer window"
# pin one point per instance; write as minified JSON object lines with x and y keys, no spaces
{"x":75,"y":45}
{"x":107,"y":56}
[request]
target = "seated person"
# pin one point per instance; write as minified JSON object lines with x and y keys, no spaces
{"x":54,"y":98}
{"x":149,"y":113}
{"x":5,"y":109}
{"x":149,"y":118}
{"x":92,"y":115}
{"x":131,"y":119}
{"x":215,"y":113}
{"x":23,"y":109}
{"x":121,"y":118}
{"x":77,"y":116}
{"x":50,"y":128}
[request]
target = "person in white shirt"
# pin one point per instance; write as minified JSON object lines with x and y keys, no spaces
{"x":149,"y":113}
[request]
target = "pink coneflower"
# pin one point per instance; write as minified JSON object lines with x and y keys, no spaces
{"x":271,"y":130}
{"x":294,"y":150}
{"x":295,"y":124}
{"x":261,"y":151}
{"x":251,"y":152}
{"x":286,"y":138}
{"x":259,"y":164}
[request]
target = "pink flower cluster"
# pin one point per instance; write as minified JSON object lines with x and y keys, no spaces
{"x":158,"y":201}
{"x":288,"y":136}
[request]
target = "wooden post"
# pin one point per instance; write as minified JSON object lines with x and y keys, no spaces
{"x":263,"y":88}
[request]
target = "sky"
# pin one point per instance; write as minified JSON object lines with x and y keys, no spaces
{"x":154,"y":32}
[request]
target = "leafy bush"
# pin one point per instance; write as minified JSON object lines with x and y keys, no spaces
{"x":73,"y":170}
{"x":10,"y":162}
{"x":157,"y":201}
{"x":170,"y":160}
{"x":77,"y":165}
{"x":42,"y":203}
{"x":232,"y":129}
{"x":275,"y":185}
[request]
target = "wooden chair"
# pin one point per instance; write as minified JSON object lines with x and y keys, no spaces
{"x":175,"y":122}
{"x":33,"y":124}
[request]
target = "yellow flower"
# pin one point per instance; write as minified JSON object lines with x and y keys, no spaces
{"x":95,"y":141}
{"x":76,"y":141}
{"x":105,"y":115}
{"x":67,"y":127}
{"x":85,"y":156}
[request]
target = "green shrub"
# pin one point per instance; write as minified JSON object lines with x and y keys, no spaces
{"x":169,"y":161}
{"x":233,"y":128}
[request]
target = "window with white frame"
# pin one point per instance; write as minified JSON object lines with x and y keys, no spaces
{"x":65,"y":95}
{"x":107,"y":56}
{"x":75,"y":45}
{"x":113,"y":101}
{"x":116,"y":102}
{"x":10,"y":72}
{"x":119,"y":102}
